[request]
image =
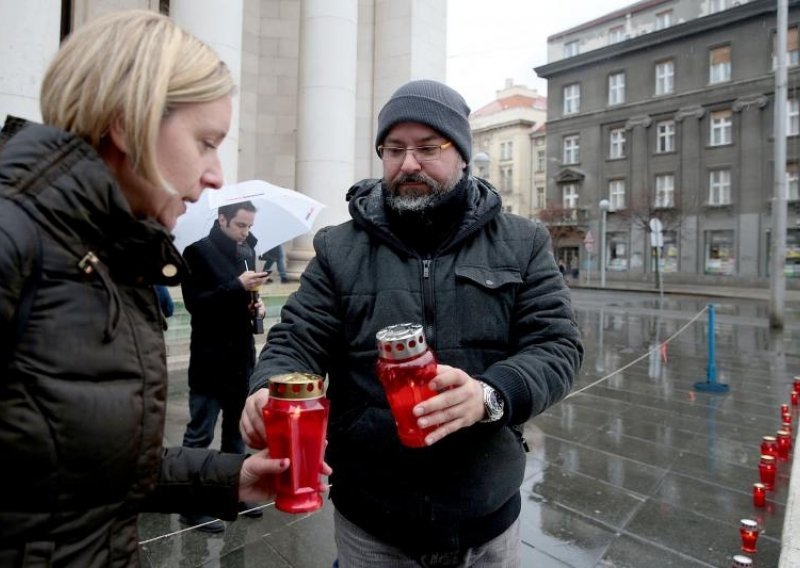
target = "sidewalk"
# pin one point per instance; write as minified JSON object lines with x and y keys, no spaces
{"x":792,"y":296}
{"x":636,"y":471}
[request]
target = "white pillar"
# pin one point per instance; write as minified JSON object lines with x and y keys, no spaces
{"x":29,"y":38}
{"x":326,"y":121}
{"x":218,"y":23}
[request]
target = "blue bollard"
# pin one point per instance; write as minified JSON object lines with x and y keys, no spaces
{"x":711,"y":384}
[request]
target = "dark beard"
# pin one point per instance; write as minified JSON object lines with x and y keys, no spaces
{"x":418,"y":201}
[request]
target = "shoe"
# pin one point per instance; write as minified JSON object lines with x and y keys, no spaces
{"x":207,"y":523}
{"x":249,"y":510}
{"x":288,"y":279}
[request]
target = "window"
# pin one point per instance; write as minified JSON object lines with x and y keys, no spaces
{"x":616,"y":88}
{"x":616,"y":34}
{"x":570,"y":196}
{"x":719,"y":187}
{"x":616,"y":194}
{"x":792,"y":47}
{"x":717,"y":5}
{"x":541,"y":201}
{"x":719,"y":64}
{"x":616,"y":143}
{"x":720,"y":256}
{"x":791,"y":182}
{"x":506,"y":150}
{"x":507,"y":179}
{"x":665,"y":77}
{"x":665,"y":136}
{"x":572,"y":149}
{"x":721,"y":127}
{"x":617,"y":252}
{"x":540,"y":160}
{"x":572,"y":98}
{"x":665,"y":191}
{"x":663,"y":19}
{"x":793,"y":117}
{"x":572,"y":48}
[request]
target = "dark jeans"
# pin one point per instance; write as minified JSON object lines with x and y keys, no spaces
{"x":204,"y":411}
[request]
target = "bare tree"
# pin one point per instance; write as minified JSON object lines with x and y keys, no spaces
{"x":561,"y":222}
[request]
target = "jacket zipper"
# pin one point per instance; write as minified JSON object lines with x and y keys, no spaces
{"x":427,"y":301}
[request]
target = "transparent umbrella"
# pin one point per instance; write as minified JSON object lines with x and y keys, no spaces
{"x":281,"y":214}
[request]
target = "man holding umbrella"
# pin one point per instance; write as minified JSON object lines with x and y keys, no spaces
{"x":221,"y":296}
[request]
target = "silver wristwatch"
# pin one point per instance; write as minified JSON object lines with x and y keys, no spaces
{"x":493,"y":404}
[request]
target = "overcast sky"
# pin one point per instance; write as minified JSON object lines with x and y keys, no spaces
{"x":491,"y":40}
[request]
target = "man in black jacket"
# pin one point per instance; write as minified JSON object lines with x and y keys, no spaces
{"x":219,"y":295}
{"x":428,"y":244}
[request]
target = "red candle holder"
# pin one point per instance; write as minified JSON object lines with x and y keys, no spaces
{"x":794,"y":397}
{"x":741,"y":561}
{"x":769,"y":446}
{"x":759,"y":495}
{"x":786,"y":418}
{"x":767,"y":470}
{"x":796,"y":383}
{"x":748,"y":530}
{"x":784,"y":444}
{"x":786,"y":426}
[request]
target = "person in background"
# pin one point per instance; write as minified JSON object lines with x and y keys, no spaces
{"x":165,"y":301}
{"x":275,"y":256}
{"x":134,"y":111}
{"x":428,"y":244}
{"x":218,"y":293}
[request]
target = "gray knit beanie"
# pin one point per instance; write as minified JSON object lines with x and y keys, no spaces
{"x":433,"y":104}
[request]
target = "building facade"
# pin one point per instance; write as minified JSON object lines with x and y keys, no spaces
{"x":501,"y":142}
{"x":665,"y":110}
{"x":312,"y":76}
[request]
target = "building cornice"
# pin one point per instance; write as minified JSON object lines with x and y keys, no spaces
{"x":660,"y":37}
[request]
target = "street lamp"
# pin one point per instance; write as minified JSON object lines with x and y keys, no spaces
{"x":604,"y":206}
{"x":481,"y":161}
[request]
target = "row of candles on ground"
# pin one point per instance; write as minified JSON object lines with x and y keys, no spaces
{"x":773,"y":448}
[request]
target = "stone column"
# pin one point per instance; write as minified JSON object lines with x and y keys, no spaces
{"x":691,"y":186}
{"x":639,"y":193}
{"x":29,"y":38}
{"x":748,"y":191}
{"x":326,"y":112}
{"x":219,"y":23}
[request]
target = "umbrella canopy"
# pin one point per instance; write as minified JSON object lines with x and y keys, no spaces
{"x":282,"y":214}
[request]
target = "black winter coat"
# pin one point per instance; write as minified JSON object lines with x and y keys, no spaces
{"x":83,"y":399}
{"x":222,"y":347}
{"x":493,"y":304}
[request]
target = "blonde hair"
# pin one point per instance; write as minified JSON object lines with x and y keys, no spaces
{"x":134,"y":66}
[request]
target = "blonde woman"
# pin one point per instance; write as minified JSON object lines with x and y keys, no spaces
{"x":134,"y":110}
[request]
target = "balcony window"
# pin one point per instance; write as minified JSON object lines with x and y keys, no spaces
{"x":665,"y":136}
{"x":719,"y":65}
{"x":719,"y":187}
{"x":665,"y":191}
{"x":721,"y":128}
{"x":665,"y":77}
{"x":570,"y":196}
{"x":616,"y":88}
{"x":616,"y":143}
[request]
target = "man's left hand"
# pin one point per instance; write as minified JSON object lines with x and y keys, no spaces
{"x":459,"y":403}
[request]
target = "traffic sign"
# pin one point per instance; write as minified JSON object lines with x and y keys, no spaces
{"x":589,"y":238}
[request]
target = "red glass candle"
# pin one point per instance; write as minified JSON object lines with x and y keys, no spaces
{"x":786,"y":426}
{"x":796,"y":383}
{"x":787,"y":418}
{"x":748,"y":530}
{"x":405,"y":367}
{"x":794,"y":397}
{"x":741,"y":561}
{"x":759,"y":495}
{"x":295,"y":421}
{"x":766,"y":471}
{"x":784,"y":444}
{"x":769,"y":446}
{"x":784,"y":409}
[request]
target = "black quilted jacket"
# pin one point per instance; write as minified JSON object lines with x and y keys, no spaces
{"x":83,"y":399}
{"x":493,"y":303}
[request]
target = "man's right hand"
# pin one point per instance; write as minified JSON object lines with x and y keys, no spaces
{"x":251,"y":424}
{"x":252,"y":280}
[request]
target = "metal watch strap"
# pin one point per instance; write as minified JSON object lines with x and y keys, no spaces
{"x":493,"y":405}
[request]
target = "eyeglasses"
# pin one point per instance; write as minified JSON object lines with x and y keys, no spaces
{"x":421,"y":153}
